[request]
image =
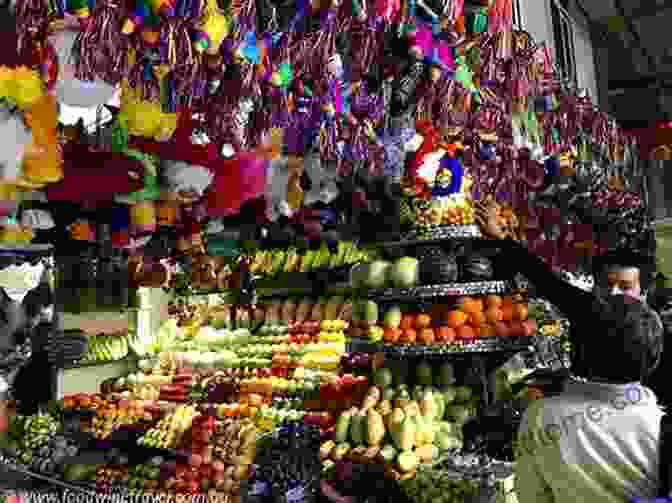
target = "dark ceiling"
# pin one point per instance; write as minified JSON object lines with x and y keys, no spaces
{"x":633,"y":54}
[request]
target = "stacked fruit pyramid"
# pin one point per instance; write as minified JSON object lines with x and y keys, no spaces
{"x":401,"y":426}
{"x":467,"y":319}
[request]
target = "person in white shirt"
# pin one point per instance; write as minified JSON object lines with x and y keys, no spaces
{"x":598,"y":441}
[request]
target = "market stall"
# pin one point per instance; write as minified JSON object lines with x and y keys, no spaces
{"x":270,"y":249}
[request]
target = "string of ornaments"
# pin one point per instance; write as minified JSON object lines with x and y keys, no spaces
{"x":331,"y":92}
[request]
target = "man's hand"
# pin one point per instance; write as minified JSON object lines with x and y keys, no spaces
{"x":487,"y":219}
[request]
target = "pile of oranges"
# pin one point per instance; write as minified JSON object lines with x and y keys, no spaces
{"x":471,"y":318}
{"x":488,"y":316}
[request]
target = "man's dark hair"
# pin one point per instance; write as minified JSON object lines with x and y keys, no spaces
{"x":623,"y":257}
{"x":622,"y":342}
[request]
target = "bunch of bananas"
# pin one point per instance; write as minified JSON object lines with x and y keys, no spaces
{"x":272,"y":262}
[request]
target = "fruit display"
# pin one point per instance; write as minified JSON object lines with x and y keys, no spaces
{"x":465,"y":319}
{"x":402,"y":427}
{"x":111,"y":416}
{"x":41,"y":445}
{"x":106,"y":348}
{"x":227,"y":375}
{"x":30,"y":433}
{"x":402,"y":273}
{"x":444,"y":211}
{"x":169,"y":430}
{"x":288,"y":464}
{"x":451,"y":485}
{"x":272,"y":262}
{"x":225,"y":450}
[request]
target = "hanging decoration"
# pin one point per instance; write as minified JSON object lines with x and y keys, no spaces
{"x":69,"y":89}
{"x":398,"y":108}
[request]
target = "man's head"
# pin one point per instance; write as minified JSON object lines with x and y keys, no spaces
{"x":623,"y":272}
{"x":626,"y":330}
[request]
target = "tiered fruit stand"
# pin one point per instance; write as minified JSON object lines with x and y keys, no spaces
{"x":420,"y":358}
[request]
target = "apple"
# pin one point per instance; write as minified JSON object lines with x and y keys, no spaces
{"x":327,"y":420}
{"x":195,"y":460}
{"x":348,"y":380}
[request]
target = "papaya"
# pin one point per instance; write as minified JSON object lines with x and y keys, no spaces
{"x":407,"y":434}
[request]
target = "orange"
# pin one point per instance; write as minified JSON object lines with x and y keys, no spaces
{"x":445,"y":334}
{"x":508,"y":300}
{"x":456,"y":319}
{"x":493,"y":301}
{"x":391,"y":335}
{"x":488,"y":330}
{"x":426,"y":336}
{"x":520,"y":312}
{"x":493,"y":315}
{"x":409,"y":336}
{"x":477,"y":304}
{"x":476,"y":319}
{"x":423,"y":321}
{"x":470,"y":305}
{"x":407,"y":321}
{"x":507,"y":312}
{"x":466,"y":332}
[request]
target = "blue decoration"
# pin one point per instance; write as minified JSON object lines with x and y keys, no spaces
{"x":249,"y":48}
{"x":443,"y":187}
{"x":121,"y":218}
{"x":551,"y":167}
{"x":488,"y":152}
{"x":551,"y":170}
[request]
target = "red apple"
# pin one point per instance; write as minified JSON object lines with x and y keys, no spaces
{"x":327,"y":420}
{"x":206,"y":471}
{"x":196,"y":460}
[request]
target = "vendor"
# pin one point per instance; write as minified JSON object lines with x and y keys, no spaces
{"x":26,"y":323}
{"x":618,"y":272}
